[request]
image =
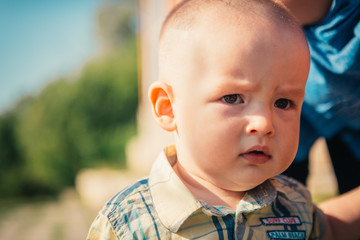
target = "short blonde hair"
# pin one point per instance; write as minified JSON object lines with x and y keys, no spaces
{"x":186,"y":13}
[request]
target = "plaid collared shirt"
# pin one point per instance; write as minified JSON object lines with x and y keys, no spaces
{"x":161,"y":207}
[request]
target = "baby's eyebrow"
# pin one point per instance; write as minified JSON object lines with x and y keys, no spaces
{"x":293,"y":91}
{"x":236,"y":84}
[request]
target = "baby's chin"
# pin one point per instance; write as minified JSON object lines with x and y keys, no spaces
{"x":244,"y":186}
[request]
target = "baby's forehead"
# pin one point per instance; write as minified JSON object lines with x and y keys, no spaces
{"x":189,"y":14}
{"x":194,"y":34}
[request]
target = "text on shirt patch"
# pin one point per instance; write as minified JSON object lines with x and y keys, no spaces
{"x":286,"y":234}
{"x":281,"y":221}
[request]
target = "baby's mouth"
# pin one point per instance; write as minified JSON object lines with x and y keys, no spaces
{"x":258,"y":156}
{"x":257,"y":152}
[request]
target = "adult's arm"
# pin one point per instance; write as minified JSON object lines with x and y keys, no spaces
{"x":308,"y":12}
{"x":343,"y":214}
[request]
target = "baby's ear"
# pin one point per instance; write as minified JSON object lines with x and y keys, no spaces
{"x":161,"y":96}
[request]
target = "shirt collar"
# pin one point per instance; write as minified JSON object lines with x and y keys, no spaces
{"x":174,"y":203}
{"x":259,"y":197}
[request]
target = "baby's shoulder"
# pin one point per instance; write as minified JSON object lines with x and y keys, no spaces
{"x":296,"y":199}
{"x":128,"y":198}
{"x":291,"y":189}
{"x":123,"y":213}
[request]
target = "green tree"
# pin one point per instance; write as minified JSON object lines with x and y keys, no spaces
{"x":10,"y":156}
{"x":76,"y":122}
{"x":84,"y":123}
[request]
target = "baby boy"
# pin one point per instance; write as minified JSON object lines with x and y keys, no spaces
{"x":232,"y":76}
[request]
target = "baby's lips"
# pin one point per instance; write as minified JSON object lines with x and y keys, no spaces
{"x":256,"y":157}
{"x":259,"y":149}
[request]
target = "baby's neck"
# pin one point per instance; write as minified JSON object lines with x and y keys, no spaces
{"x":208,"y":192}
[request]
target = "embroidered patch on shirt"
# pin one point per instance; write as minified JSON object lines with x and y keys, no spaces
{"x":286,"y":234}
{"x":281,"y":221}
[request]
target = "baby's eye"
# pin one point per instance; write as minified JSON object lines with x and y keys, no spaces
{"x":232,"y":99}
{"x":283,"y":103}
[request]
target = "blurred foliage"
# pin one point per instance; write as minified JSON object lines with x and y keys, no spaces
{"x":117,"y":23}
{"x":77,"y":122}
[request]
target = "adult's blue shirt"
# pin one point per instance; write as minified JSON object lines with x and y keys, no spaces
{"x":332,"y":98}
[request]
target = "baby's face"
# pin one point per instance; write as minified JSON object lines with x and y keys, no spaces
{"x":237,"y":102}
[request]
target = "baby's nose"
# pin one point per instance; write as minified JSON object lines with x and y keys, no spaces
{"x":261,"y":124}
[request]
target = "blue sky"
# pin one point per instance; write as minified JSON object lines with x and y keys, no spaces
{"x":41,"y":40}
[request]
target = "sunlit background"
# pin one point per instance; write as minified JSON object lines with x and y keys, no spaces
{"x":68,"y":101}
{"x":75,"y":126}
{"x":41,"y":40}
